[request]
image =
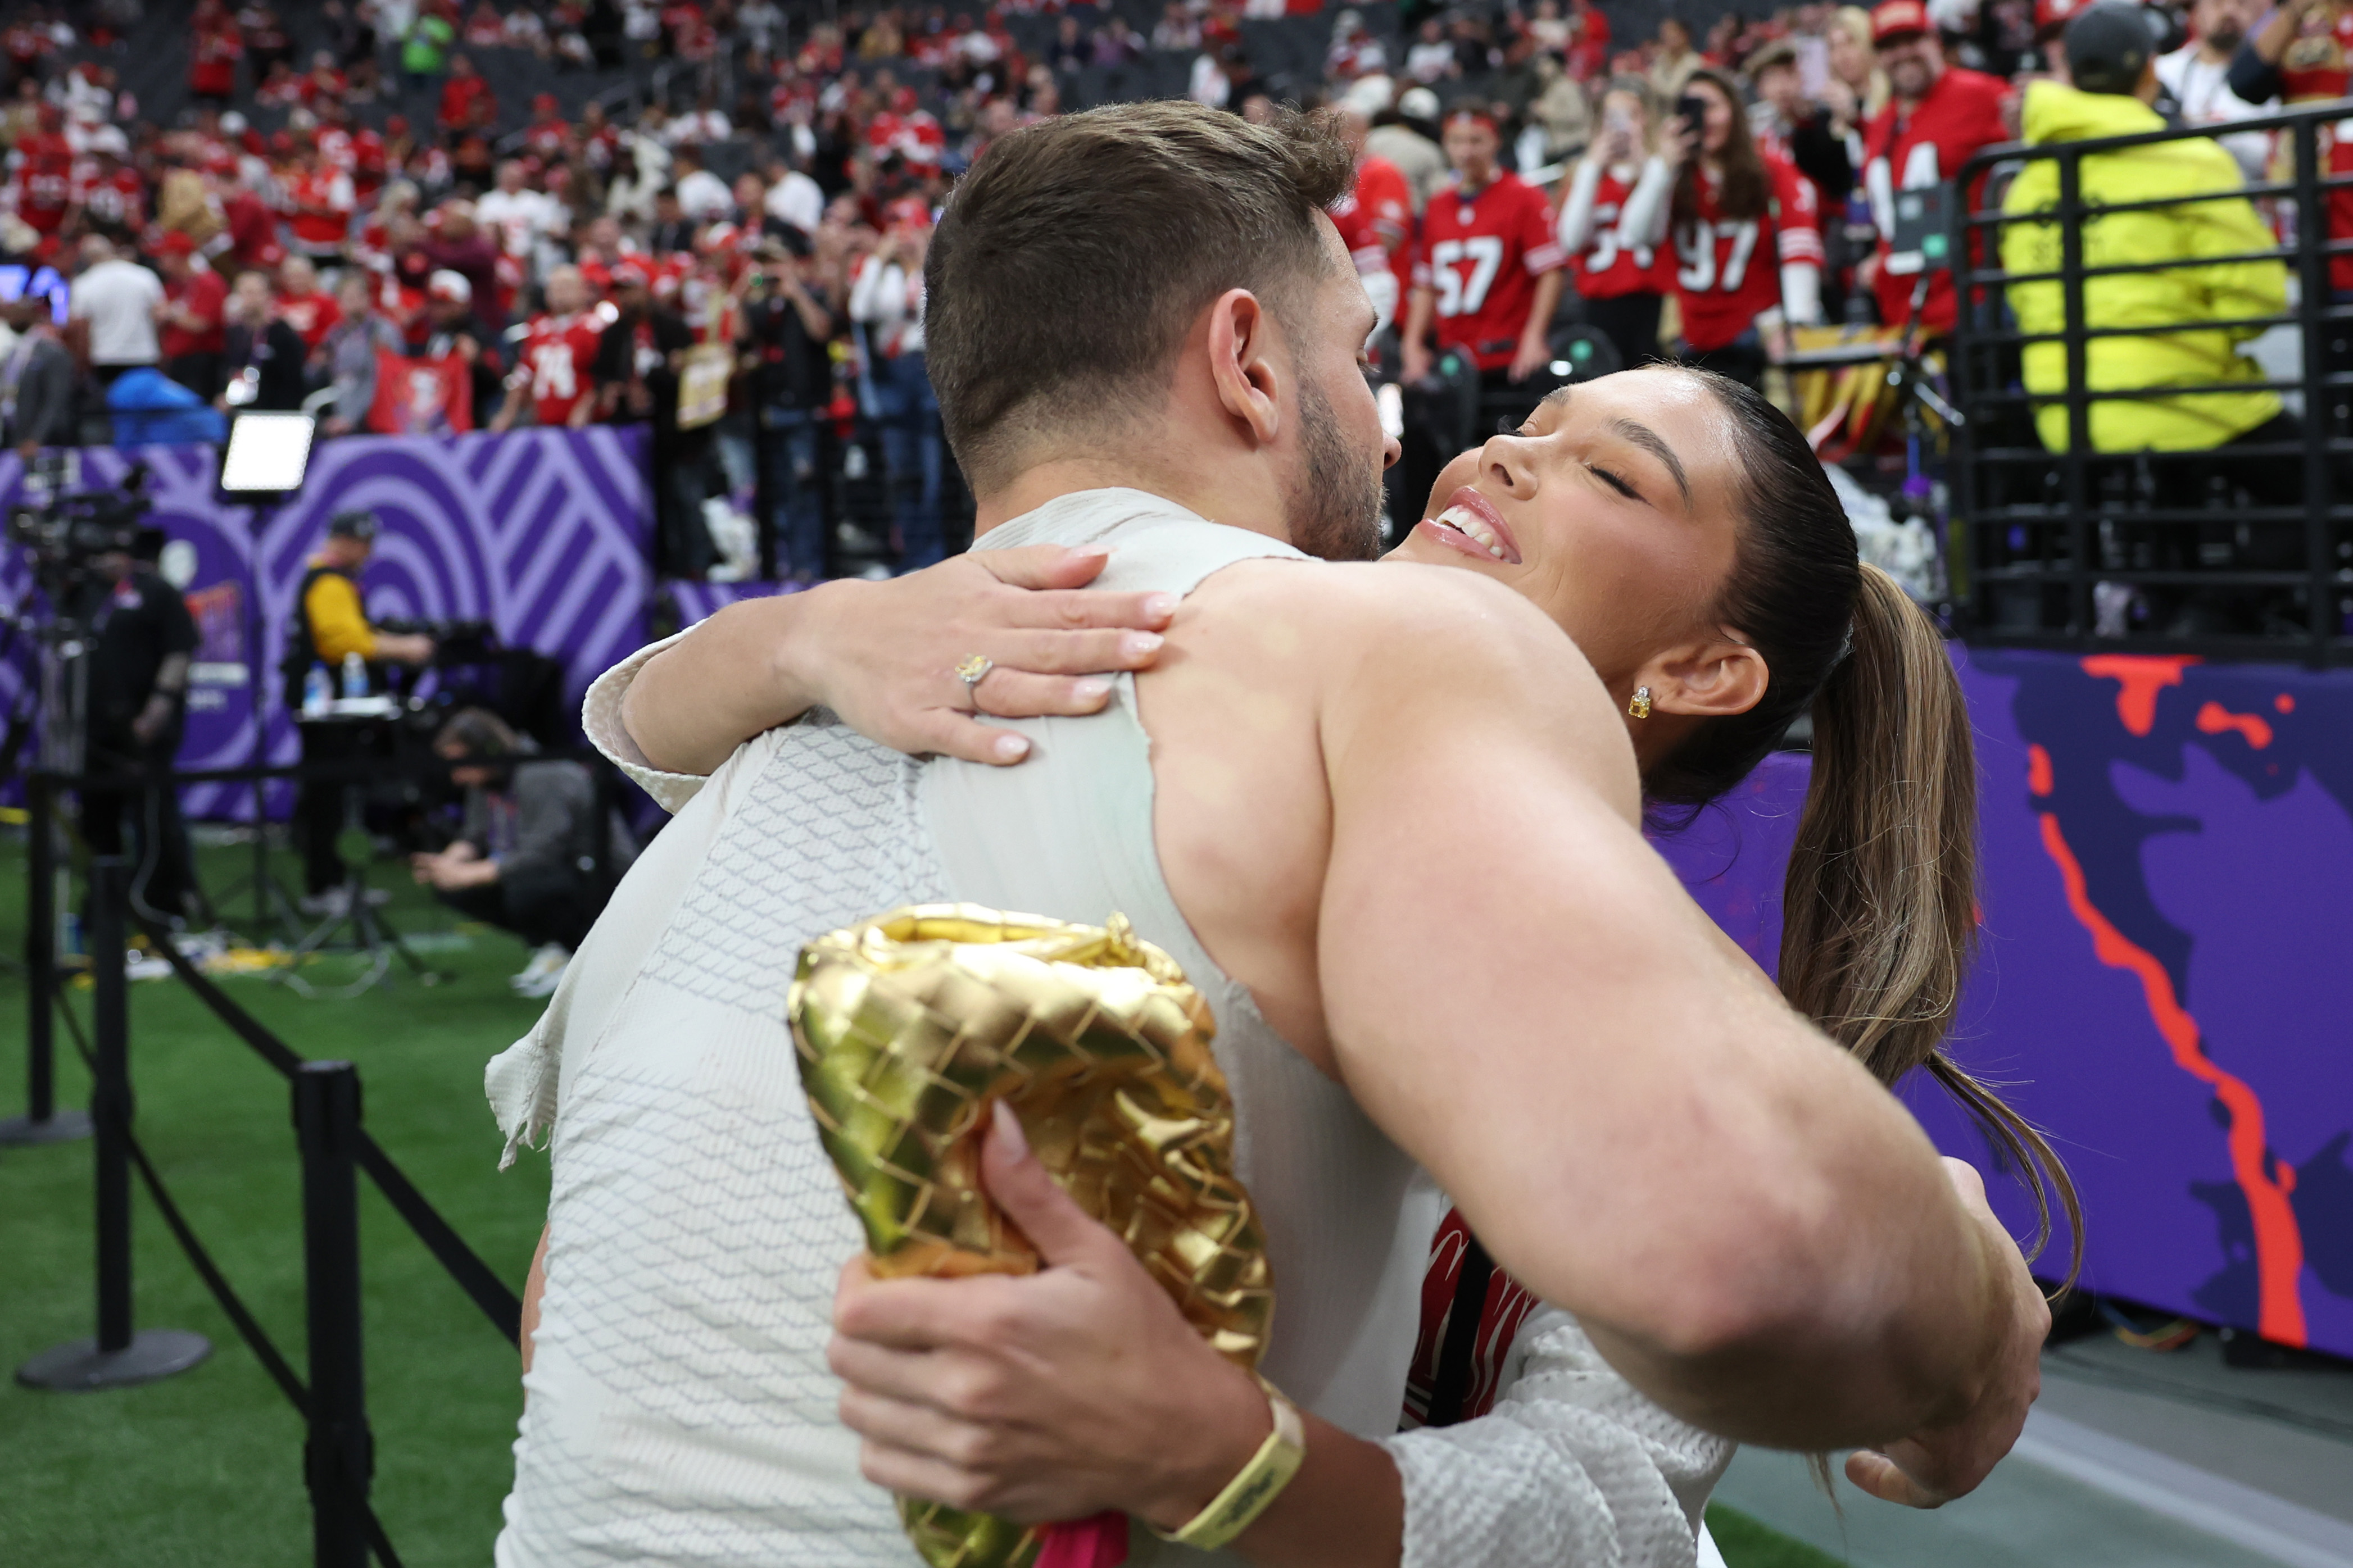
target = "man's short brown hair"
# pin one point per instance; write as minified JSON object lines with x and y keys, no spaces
{"x":1073,"y":259}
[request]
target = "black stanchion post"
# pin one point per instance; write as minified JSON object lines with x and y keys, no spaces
{"x":339,"y":1457}
{"x":42,"y":1122}
{"x":118,"y":1357}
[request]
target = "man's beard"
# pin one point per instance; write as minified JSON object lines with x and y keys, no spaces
{"x":1335,"y":513}
{"x":2226,"y":40}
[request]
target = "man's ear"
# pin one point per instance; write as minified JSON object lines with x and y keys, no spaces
{"x":1707,"y":680}
{"x":1243,"y":367}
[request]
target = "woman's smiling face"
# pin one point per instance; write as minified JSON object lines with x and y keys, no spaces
{"x":1614,"y":509}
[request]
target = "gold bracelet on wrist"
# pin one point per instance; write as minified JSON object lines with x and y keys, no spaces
{"x":1259,"y":1483}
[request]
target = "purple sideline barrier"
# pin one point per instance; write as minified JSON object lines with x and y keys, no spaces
{"x":2163,"y":985}
{"x":543,"y":533}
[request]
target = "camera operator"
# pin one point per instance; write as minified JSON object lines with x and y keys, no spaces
{"x":329,"y":622}
{"x":526,"y":859}
{"x":141,"y":640}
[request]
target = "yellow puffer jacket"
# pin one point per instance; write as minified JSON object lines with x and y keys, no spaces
{"x":2151,"y":300}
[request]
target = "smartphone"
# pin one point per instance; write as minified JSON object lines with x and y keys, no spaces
{"x":1692,"y":110}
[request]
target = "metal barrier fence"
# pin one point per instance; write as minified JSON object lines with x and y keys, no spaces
{"x":335,"y":1148}
{"x":2241,"y":549}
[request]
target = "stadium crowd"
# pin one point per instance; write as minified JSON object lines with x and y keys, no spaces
{"x":396,"y":260}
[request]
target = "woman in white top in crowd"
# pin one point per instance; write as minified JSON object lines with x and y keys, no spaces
{"x":1620,"y":275}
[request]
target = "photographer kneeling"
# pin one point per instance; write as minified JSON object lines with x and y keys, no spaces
{"x":525,"y":859}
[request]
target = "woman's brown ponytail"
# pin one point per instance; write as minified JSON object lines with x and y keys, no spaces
{"x":1879,"y":921}
{"x":1879,"y":911}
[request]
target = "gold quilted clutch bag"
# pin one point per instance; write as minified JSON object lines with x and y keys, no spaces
{"x":910,"y":1026}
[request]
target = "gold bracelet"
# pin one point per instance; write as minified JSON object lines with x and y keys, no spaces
{"x":1259,"y":1482}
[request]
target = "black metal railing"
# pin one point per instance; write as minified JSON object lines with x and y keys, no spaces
{"x":331,"y":1142}
{"x":2212,"y":550}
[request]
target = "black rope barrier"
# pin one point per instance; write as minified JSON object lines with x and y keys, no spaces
{"x":42,"y":1122}
{"x":464,"y":1266}
{"x":248,"y":1328}
{"x":339,"y":1448}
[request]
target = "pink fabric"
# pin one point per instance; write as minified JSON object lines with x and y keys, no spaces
{"x":1097,"y":1542}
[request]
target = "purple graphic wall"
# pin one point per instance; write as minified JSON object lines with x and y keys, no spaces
{"x":542,"y":534}
{"x":2163,"y":984}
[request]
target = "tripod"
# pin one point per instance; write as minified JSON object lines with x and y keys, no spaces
{"x":371,"y":934}
{"x":273,"y":907}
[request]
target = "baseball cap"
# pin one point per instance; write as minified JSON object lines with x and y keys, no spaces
{"x":351,"y":525}
{"x":2108,"y":48}
{"x":1898,"y":19}
{"x":1418,"y":103}
{"x":2051,"y":16}
{"x":175,"y":243}
{"x":1779,"y":52}
{"x":448,"y":285}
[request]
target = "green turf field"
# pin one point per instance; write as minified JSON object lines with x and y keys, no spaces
{"x":204,"y":1470}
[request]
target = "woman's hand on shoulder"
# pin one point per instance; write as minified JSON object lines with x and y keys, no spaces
{"x":885,"y":655}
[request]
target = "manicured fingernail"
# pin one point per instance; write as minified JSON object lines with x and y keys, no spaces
{"x":1091,"y":552}
{"x":1091,"y":688}
{"x":1136,"y":644}
{"x":1159,"y":606}
{"x":1011,"y":748}
{"x":1005,"y":1128}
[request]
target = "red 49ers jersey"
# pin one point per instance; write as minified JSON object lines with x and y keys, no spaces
{"x":119,"y":199}
{"x":1913,"y":150}
{"x":1482,"y":255}
{"x":1729,"y":268}
{"x":1606,"y":269}
{"x":558,"y":355}
{"x":1376,"y":223}
{"x":1386,"y":203}
{"x":44,"y":181}
{"x":2318,"y":61}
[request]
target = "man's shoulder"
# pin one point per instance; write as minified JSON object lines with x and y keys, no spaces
{"x":1341,"y":618}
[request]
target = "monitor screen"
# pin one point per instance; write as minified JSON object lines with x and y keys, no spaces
{"x":267,"y":454}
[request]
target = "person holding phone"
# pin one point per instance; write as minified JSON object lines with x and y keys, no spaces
{"x":1748,"y":246}
{"x":1621,"y":273}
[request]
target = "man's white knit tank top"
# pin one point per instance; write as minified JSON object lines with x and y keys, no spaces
{"x":679,"y":1408}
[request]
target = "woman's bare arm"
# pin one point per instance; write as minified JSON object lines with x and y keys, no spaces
{"x":883,"y":655}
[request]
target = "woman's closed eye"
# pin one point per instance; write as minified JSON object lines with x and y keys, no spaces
{"x":1615,"y":483}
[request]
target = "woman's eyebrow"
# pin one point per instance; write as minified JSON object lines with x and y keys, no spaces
{"x":1651,"y":441}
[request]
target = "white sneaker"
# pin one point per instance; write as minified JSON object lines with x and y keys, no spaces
{"x":334,"y":901}
{"x":543,"y":972}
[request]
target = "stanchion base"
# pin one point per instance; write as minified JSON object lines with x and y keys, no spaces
{"x":62,"y":1127}
{"x":82,"y":1368}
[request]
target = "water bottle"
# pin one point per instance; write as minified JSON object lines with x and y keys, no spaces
{"x":318,"y":691}
{"x":354,"y":676}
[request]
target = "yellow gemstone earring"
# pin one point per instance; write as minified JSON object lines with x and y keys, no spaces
{"x":1639,"y":705}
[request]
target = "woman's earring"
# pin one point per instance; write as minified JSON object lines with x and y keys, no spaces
{"x":1640,"y":704}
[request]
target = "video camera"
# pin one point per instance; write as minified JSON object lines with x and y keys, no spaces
{"x":65,"y":534}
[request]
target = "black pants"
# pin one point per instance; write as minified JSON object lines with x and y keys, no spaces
{"x":1631,"y":322}
{"x":319,"y":806}
{"x":541,"y":913}
{"x":199,"y":373}
{"x":164,"y":871}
